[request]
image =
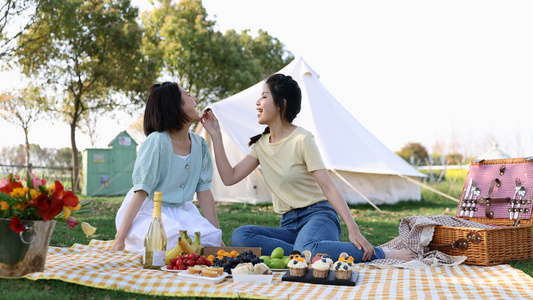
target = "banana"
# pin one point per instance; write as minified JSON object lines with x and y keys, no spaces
{"x":185,"y":246}
{"x":183,"y":234}
{"x":173,"y":253}
{"x":196,"y":245}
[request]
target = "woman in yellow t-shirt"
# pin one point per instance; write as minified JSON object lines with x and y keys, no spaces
{"x":302,"y":190}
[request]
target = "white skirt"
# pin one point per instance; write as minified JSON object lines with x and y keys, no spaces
{"x":184,"y":217}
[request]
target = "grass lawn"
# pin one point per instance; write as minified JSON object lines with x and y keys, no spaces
{"x":378,"y":228}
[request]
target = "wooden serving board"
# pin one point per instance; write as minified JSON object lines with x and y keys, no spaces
{"x":308,"y":278}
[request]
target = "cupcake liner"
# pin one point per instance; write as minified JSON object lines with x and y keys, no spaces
{"x":320,"y":273}
{"x":343,"y":274}
{"x":297,"y":272}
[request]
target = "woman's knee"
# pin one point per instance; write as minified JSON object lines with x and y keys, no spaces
{"x":240,"y":236}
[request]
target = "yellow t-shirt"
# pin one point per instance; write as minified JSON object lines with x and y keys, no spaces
{"x":287,"y":167}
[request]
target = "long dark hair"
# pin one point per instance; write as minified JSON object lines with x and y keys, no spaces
{"x":283,"y":88}
{"x":164,"y":110}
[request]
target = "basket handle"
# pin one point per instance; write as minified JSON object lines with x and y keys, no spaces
{"x":461,"y":243}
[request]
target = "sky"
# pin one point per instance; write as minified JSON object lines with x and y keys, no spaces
{"x":451,"y":75}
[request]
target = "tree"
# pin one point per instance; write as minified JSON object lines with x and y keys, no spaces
{"x":415,"y":150}
{"x":454,"y":159}
{"x":207,"y":63}
{"x":16,"y":17}
{"x":89,"y":121}
{"x":90,"y":53}
{"x":10,"y":10}
{"x":23,"y":108}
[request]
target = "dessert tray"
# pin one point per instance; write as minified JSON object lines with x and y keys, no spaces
{"x":330,"y":279}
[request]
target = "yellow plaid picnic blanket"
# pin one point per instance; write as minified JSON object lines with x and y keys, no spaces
{"x":93,"y":265}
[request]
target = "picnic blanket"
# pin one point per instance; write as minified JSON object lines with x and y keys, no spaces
{"x":93,"y":265}
{"x":415,"y":234}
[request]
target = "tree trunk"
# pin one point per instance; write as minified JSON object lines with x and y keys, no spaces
{"x":27,"y":145}
{"x":75,"y":161}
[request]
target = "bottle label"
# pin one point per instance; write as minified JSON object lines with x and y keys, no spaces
{"x":158,"y":258}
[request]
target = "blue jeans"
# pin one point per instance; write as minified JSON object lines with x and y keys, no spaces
{"x":315,"y":228}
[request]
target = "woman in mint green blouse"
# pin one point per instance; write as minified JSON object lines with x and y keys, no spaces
{"x":176,"y":162}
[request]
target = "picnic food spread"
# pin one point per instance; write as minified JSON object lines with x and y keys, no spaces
{"x":319,"y":269}
{"x":228,"y":263}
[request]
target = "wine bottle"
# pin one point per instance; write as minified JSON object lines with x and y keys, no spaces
{"x":155,"y":242}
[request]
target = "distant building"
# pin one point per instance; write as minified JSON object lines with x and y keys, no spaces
{"x":494,"y":153}
{"x":108,"y":171}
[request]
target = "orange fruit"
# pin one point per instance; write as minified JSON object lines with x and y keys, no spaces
{"x":234,"y":253}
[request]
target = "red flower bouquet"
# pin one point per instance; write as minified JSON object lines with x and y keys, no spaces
{"x":35,"y":201}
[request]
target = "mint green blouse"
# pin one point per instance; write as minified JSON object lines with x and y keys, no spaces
{"x":158,"y":168}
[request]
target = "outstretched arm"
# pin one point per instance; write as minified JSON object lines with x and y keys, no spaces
{"x":207,"y":203}
{"x":334,"y":197}
{"x":229,"y":175}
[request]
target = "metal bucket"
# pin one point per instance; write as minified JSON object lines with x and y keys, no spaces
{"x":24,"y":253}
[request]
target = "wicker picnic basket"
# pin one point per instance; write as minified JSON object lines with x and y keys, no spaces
{"x":496,"y":192}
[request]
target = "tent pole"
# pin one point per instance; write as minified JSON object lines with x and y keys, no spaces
{"x":429,"y":188}
{"x":353,"y":188}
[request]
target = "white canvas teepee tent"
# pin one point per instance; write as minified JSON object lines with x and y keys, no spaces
{"x":362,"y":167}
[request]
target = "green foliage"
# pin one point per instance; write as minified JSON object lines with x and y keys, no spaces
{"x":90,"y":51}
{"x":9,"y":11}
{"x":415,"y":150}
{"x":454,"y":159}
{"x":207,"y":63}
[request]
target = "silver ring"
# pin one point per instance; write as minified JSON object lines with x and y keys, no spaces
{"x":28,"y":236}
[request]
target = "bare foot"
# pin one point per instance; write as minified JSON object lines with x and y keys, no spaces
{"x":403,"y":254}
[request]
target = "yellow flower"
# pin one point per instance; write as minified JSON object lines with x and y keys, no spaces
{"x":87,"y":229}
{"x":66,"y":212}
{"x":75,"y":208}
{"x":34,"y":194}
{"x":19,"y":191}
{"x":68,"y":209}
{"x":4,"y":205}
